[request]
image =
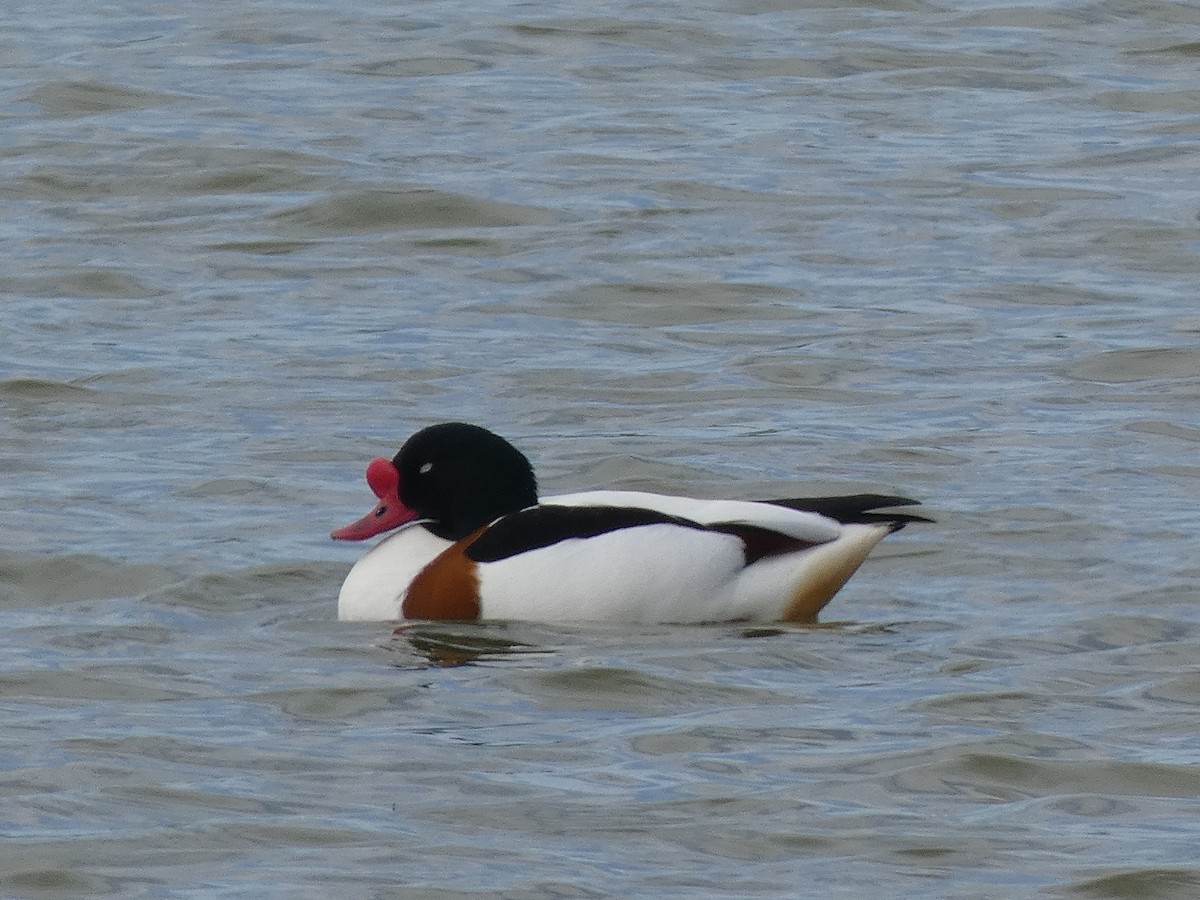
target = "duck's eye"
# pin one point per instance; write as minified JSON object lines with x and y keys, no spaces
{"x":426,"y":468}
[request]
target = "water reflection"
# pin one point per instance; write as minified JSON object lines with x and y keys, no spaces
{"x":456,"y":645}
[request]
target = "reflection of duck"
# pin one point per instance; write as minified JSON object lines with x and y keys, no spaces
{"x":457,"y":643}
{"x":476,"y":543}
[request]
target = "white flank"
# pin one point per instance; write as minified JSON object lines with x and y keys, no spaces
{"x":643,"y":575}
{"x":669,"y":574}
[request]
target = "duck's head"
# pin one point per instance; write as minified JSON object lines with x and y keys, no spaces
{"x":454,"y":478}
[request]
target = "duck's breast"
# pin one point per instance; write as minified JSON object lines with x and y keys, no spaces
{"x":374,"y":589}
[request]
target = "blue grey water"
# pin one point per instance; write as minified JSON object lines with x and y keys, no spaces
{"x":948,"y":248}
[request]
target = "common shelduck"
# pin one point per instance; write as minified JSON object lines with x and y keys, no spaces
{"x":475,"y":542}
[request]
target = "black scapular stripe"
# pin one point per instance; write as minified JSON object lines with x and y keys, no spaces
{"x":544,"y":526}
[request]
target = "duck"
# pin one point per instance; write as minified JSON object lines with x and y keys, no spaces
{"x":468,"y":539}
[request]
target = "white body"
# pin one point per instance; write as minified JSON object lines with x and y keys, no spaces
{"x":647,"y":574}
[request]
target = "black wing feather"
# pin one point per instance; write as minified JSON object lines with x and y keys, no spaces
{"x":857,"y":509}
{"x":544,"y":526}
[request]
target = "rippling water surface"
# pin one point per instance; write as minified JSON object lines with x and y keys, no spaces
{"x":948,"y":249}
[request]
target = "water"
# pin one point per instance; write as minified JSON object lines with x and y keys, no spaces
{"x":948,"y":250}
